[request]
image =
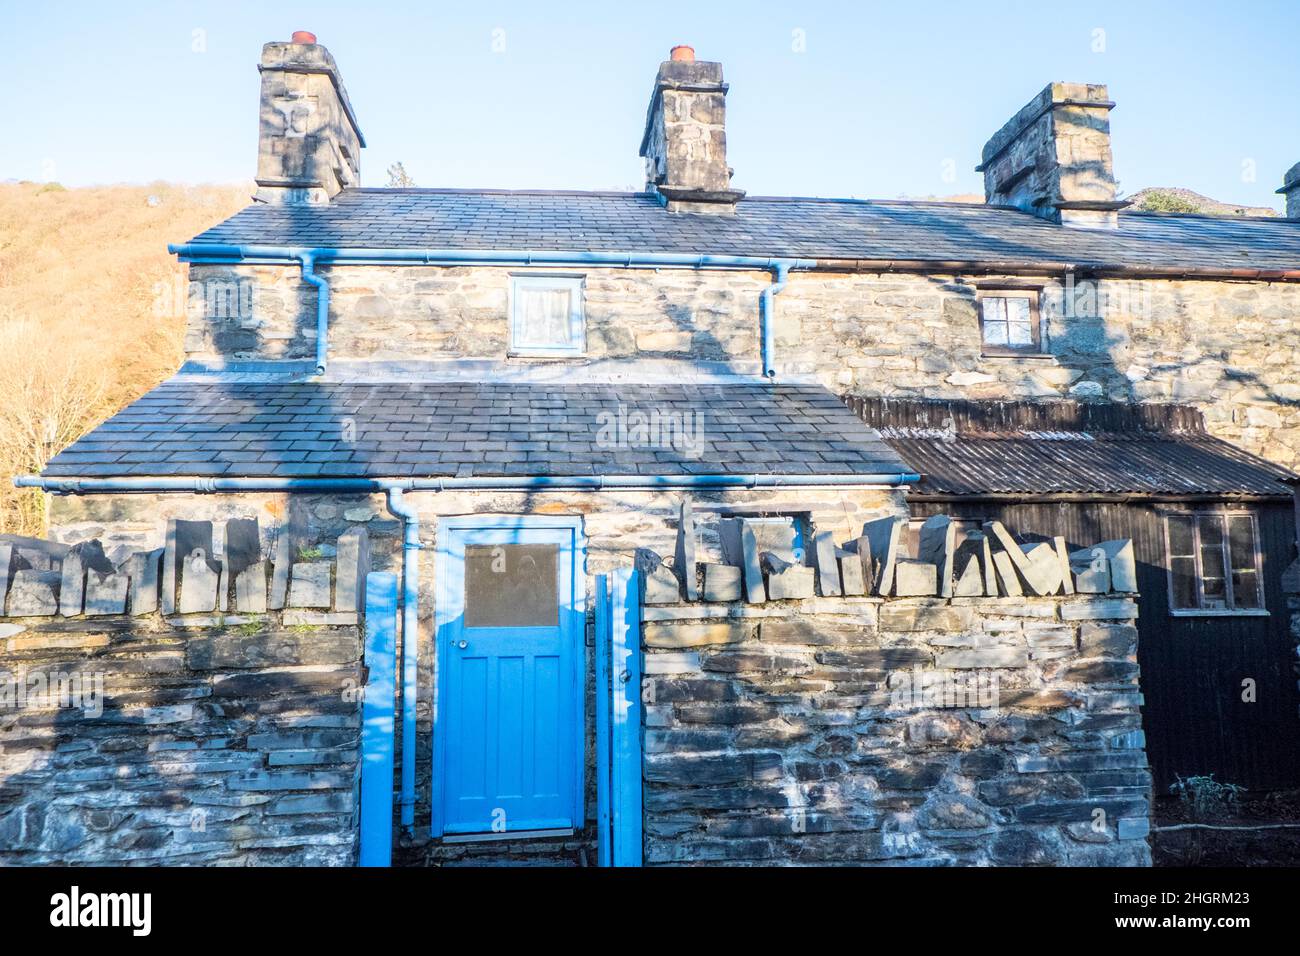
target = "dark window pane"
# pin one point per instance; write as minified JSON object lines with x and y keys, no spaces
{"x":1211,"y":531}
{"x":1182,"y":541}
{"x":1245,"y":589}
{"x":1215,"y":593}
{"x":1182,"y":575}
{"x":512,"y":585}
{"x":1241,"y":542}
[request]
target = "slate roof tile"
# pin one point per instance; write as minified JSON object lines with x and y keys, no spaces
{"x":762,"y":226}
{"x":765,"y":429}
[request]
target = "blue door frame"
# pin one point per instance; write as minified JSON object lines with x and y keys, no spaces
{"x":509,"y":710}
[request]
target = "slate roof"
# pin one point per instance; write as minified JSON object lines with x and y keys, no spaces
{"x":972,"y":448}
{"x":762,"y":226}
{"x":200,"y":425}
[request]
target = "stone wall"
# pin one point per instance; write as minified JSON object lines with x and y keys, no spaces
{"x":193,"y":703}
{"x":195,"y":741}
{"x":1225,"y":347}
{"x":615,"y":525}
{"x":818,"y":732}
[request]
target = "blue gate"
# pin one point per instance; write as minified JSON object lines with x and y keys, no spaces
{"x":618,"y":717}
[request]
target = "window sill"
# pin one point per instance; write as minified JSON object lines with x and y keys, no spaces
{"x":1040,"y":358}
{"x":555,"y":356}
{"x":1247,"y":612}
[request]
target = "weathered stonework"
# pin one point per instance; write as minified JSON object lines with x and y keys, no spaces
{"x":1225,"y":347}
{"x":615,"y":525}
{"x":808,"y":735}
{"x":220,"y":741}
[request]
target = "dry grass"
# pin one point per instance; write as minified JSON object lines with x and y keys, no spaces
{"x":91,"y":312}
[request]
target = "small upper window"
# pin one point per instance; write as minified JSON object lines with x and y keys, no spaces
{"x":546,"y":316}
{"x":1213,"y":563}
{"x":1009,"y":323}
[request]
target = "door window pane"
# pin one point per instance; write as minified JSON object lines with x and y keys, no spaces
{"x":512,"y":585}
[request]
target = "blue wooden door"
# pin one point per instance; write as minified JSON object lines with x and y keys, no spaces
{"x":509,"y":728}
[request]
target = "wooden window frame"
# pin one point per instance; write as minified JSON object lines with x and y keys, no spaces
{"x":1032,"y":293}
{"x":1230,"y":597}
{"x":576,"y":285}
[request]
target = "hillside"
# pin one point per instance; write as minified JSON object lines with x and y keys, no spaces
{"x":91,"y":312}
{"x":1177,"y":199}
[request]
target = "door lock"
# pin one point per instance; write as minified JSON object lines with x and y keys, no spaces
{"x":463,"y":644}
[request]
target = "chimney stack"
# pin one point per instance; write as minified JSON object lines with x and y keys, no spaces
{"x":1291,"y":190}
{"x":309,"y":144}
{"x":685,"y":141}
{"x":1053,"y":158}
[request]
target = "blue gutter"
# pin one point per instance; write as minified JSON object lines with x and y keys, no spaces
{"x":308,"y":257}
{"x":128,"y":485}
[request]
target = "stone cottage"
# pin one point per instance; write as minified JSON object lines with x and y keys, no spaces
{"x":509,"y":394}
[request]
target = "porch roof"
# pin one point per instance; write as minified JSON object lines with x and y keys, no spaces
{"x":207,"y":425}
{"x":973,"y":448}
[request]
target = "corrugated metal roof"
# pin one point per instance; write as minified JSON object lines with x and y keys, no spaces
{"x":762,"y":226}
{"x":972,"y":448}
{"x":202,"y":425}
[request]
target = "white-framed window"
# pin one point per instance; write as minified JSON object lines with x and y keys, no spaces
{"x":546,"y":316}
{"x":1009,"y":323}
{"x":1214,"y":565}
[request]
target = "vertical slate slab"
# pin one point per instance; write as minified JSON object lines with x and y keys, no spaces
{"x":883,"y":536}
{"x":938,"y":546}
{"x":200,"y":578}
{"x":1063,"y":563}
{"x":684,"y":556}
{"x":250,"y":589}
{"x":1091,"y":571}
{"x":1008,"y":581}
{"x":1036,"y":572}
{"x":143,"y":569}
{"x":969,"y":582}
{"x":106,"y":593}
{"x":243,"y":545}
{"x":755,"y":591}
{"x":87,"y":556}
{"x":34,"y":593}
{"x":183,"y":537}
{"x":353,"y":560}
{"x":1123,"y":566}
{"x":740,"y":549}
{"x":280,"y":569}
{"x":721,"y":583}
{"x":828,"y":567}
{"x":218,"y":557}
{"x":168,"y":600}
{"x":851,"y":576}
{"x":309,"y":584}
{"x":6,"y":562}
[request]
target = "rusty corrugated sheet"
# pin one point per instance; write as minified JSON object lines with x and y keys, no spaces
{"x":971,"y":448}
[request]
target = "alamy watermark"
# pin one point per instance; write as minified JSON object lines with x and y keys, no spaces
{"x":1089,"y":298}
{"x":666,"y":429}
{"x":65,"y":690}
{"x":919,"y":689}
{"x":233,"y":298}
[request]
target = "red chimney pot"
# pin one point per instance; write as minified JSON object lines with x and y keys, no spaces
{"x":303,"y":36}
{"x":682,"y":54}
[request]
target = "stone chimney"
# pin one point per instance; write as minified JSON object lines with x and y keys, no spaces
{"x":685,"y":141}
{"x":1053,"y":158}
{"x":1291,"y":190}
{"x":309,"y":144}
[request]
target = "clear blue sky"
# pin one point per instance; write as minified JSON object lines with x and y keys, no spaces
{"x":882,"y":100}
